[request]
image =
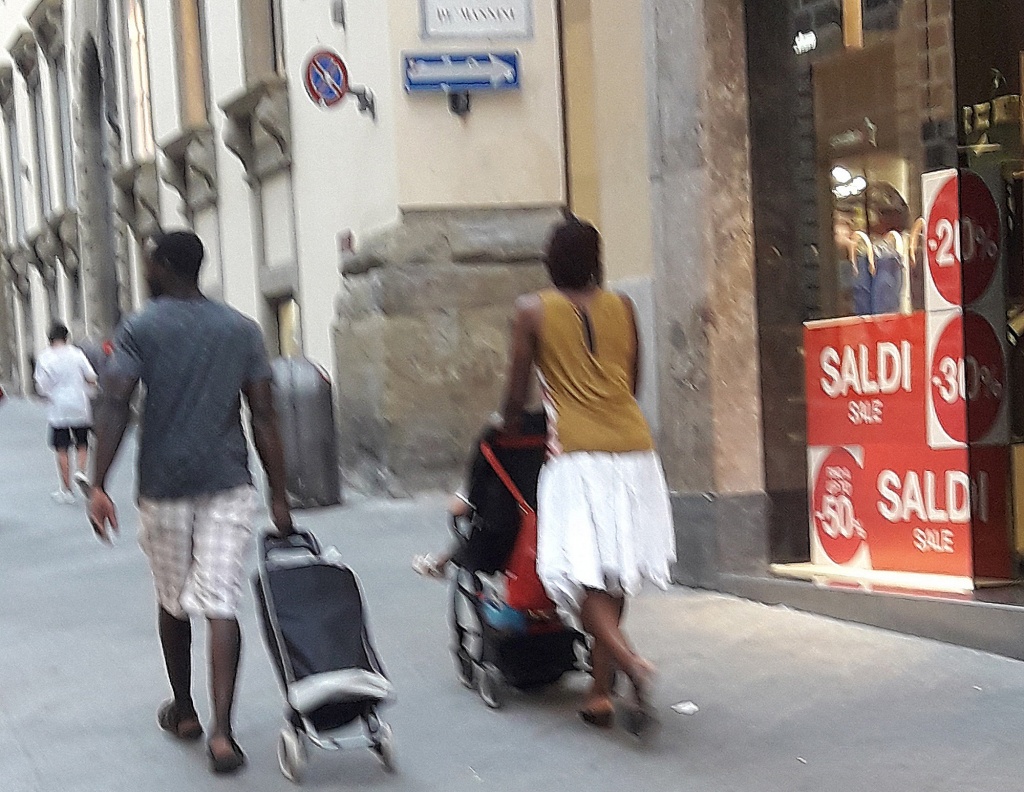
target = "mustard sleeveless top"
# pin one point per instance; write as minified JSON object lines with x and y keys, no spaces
{"x":585,"y":361}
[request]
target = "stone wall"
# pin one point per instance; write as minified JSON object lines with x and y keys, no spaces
{"x":705,"y":297}
{"x":96,"y":138}
{"x":8,"y":349}
{"x":705,"y":303}
{"x":421,"y":340}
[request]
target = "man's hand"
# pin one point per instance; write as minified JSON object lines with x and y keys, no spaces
{"x":267,"y":439}
{"x":102,"y":513}
{"x":281,"y":514}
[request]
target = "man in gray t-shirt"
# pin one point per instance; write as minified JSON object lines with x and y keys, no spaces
{"x":196,"y":359}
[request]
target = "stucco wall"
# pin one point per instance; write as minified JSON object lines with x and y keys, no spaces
{"x":623,"y":147}
{"x":508,"y":150}
{"x":344,"y":166}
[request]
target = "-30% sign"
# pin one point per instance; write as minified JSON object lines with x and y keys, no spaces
{"x":967,"y":377}
{"x":959,"y":380}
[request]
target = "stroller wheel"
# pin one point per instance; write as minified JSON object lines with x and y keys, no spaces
{"x":464,"y":668}
{"x":291,"y":754}
{"x":491,"y":685}
{"x":384,"y":747}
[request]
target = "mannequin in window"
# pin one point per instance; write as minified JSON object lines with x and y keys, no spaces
{"x":882,"y":256}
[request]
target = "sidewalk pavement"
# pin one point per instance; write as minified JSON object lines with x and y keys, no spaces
{"x":788,"y":701}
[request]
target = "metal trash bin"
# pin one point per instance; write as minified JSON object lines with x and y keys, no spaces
{"x":98,"y":354}
{"x":305,"y":409}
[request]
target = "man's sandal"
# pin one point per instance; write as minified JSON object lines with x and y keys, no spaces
{"x":170,"y":719}
{"x":223,"y":765}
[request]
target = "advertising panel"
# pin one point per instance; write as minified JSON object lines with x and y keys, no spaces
{"x":894,"y":508}
{"x":865,"y":380}
{"x":962,"y":239}
{"x":966,"y":375}
{"x":907,"y":415}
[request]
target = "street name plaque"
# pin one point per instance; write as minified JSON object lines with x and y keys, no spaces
{"x":477,"y":19}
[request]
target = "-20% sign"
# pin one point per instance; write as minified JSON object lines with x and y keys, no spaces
{"x":963,"y":233}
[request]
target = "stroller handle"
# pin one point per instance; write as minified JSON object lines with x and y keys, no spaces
{"x":298,"y":540}
{"x":461,"y":525}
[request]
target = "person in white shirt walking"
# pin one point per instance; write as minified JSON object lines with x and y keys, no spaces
{"x":67,"y":381}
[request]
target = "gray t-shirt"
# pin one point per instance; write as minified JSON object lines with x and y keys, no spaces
{"x":194,"y":357}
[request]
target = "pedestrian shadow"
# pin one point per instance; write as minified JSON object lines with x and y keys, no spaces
{"x":556,"y":706}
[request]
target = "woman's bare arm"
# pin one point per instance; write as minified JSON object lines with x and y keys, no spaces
{"x":631,"y":309}
{"x":522,"y":353}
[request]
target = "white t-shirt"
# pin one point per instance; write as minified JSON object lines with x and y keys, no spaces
{"x":66,"y":380}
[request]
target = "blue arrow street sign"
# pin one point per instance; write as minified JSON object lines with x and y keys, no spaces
{"x":455,"y":73}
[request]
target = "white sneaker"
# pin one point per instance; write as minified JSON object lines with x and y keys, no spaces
{"x":83,"y":483}
{"x":63,"y":496}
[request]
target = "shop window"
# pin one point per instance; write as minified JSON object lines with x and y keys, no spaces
{"x":137,"y":62}
{"x":263,"y":38}
{"x":190,"y":49}
{"x":852,"y":103}
{"x":873,"y":94}
{"x":990,"y":81}
{"x":860,"y":113}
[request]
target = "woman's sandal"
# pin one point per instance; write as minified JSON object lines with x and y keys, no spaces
{"x":600,"y":719}
{"x":640,"y":720}
{"x":226,"y":764}
{"x":170,"y":720}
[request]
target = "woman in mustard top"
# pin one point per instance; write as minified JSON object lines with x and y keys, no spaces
{"x":604,"y":519}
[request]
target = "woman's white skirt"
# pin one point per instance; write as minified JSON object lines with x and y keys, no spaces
{"x":603,"y":522}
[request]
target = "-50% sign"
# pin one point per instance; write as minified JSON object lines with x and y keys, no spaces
{"x":838,"y":530}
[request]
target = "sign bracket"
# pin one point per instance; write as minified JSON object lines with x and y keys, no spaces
{"x":367,"y":101}
{"x":459,"y":103}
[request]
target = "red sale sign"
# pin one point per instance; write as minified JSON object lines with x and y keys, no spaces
{"x":835,"y":523}
{"x":865,"y":380}
{"x":980,"y":235}
{"x":893,"y":508}
{"x":907,"y":415}
{"x":984,"y":378}
{"x":990,"y":531}
{"x":942,"y":218}
{"x":963,"y":238}
{"x":966,"y":372}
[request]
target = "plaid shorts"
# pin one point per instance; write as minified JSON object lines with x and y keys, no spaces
{"x":196,"y":549}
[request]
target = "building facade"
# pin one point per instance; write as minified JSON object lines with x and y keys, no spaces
{"x":885,"y":152}
{"x":736,"y":155}
{"x":126,"y":116}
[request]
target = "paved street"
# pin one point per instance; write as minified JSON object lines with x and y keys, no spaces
{"x":787,"y":701}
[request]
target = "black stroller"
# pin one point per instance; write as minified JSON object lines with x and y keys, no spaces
{"x":495,"y":646}
{"x":313,"y":617}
